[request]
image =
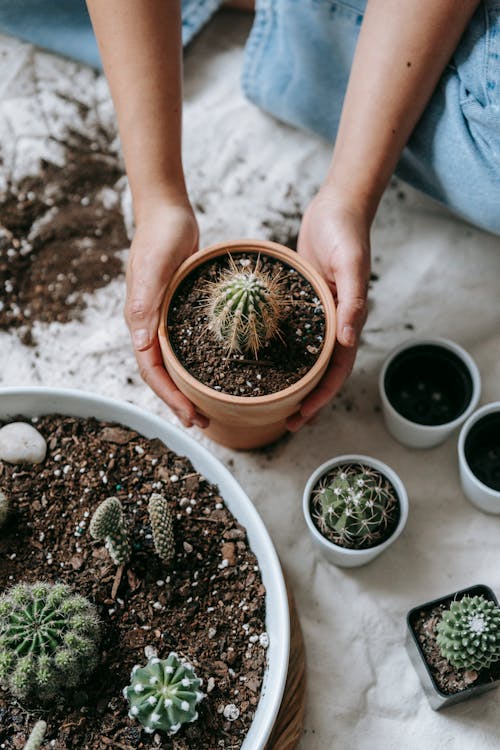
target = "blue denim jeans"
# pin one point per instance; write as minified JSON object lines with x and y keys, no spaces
{"x":296,"y":67}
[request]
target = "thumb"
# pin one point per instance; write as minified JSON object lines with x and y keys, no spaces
{"x":352,"y":308}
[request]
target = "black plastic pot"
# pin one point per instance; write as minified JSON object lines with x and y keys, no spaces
{"x":438,"y":699}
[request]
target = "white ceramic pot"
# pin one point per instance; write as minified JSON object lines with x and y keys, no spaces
{"x":352,"y":558}
{"x":479,"y":458}
{"x":455,"y":371}
{"x":31,"y":402}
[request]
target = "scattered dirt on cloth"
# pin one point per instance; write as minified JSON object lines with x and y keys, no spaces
{"x":448,"y":678}
{"x":60,"y":235}
{"x":383,"y":532}
{"x":281,"y":362}
{"x":209,"y":606}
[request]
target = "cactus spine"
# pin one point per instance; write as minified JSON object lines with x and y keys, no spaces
{"x":355,"y":507}
{"x":164,"y":694}
{"x":4,"y":508}
{"x":48,"y":640}
{"x":36,"y":737}
{"x":244,"y":308}
{"x":107,"y":524}
{"x":468,"y":635}
{"x":162,"y":527}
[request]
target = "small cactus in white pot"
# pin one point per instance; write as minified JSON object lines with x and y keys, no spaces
{"x":355,"y":507}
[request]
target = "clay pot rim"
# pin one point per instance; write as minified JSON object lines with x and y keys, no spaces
{"x":274,"y":250}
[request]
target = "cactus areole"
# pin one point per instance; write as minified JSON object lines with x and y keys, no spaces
{"x":355,"y":506}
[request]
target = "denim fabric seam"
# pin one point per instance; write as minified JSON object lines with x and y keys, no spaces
{"x":467,"y":99}
{"x":258,"y":40}
{"x":493,"y":51}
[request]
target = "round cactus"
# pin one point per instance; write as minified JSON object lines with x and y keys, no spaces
{"x":107,"y":524}
{"x":36,"y":737}
{"x":468,"y":635}
{"x":164,"y":694}
{"x":48,"y":640}
{"x":161,"y":526}
{"x":4,"y":508}
{"x":244,"y":308}
{"x":356,"y":507}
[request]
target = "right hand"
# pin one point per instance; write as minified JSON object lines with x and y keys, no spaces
{"x":165,"y":236}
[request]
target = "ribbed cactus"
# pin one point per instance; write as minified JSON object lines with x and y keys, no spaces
{"x":107,"y":524}
{"x":244,"y":308}
{"x":4,"y":508}
{"x":162,"y":527}
{"x":49,"y":640}
{"x":164,"y":694}
{"x":468,"y":635}
{"x":355,"y":507}
{"x":36,"y":737}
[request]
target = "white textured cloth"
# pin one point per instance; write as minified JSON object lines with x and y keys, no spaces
{"x":253,"y":176}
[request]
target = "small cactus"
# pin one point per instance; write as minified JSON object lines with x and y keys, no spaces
{"x":4,"y":508}
{"x":468,"y":635}
{"x":36,"y":737}
{"x":162,"y":527}
{"x":356,"y":507}
{"x":48,"y":640}
{"x":107,"y":524}
{"x":164,"y":694}
{"x":244,"y":308}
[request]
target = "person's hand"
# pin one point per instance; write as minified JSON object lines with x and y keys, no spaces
{"x":335,"y":238}
{"x":165,"y":236}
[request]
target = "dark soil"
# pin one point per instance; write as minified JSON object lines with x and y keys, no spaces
{"x":281,"y":362}
{"x":208,"y":606}
{"x":377,"y":537}
{"x":58,"y":239}
{"x":449,"y":679}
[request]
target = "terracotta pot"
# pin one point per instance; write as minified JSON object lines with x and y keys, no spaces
{"x":244,"y":422}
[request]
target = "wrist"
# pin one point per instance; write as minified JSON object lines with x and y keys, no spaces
{"x":348,"y":198}
{"x":156,"y":199}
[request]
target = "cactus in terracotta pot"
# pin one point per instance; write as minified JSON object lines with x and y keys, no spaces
{"x":355,"y":507}
{"x":107,"y":524}
{"x":164,"y":694}
{"x":49,"y":640}
{"x":468,"y":635}
{"x":244,"y":308}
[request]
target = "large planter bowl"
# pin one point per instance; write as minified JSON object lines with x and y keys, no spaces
{"x":428,"y":387}
{"x":245,"y":422}
{"x":343,"y":556}
{"x":32,"y":402}
{"x":479,"y":458}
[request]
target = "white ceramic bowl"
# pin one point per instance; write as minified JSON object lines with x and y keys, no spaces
{"x":31,"y":402}
{"x":416,"y":435}
{"x":480,"y":494}
{"x":352,"y":558}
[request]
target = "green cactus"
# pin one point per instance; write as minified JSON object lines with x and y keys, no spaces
{"x":468,"y":635}
{"x":244,"y":308}
{"x":4,"y":508}
{"x":162,"y":527}
{"x":107,"y":524}
{"x":49,"y":640}
{"x":356,"y":507}
{"x":164,"y":694}
{"x":36,"y":737}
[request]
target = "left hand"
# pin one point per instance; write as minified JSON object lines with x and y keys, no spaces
{"x":335,"y":238}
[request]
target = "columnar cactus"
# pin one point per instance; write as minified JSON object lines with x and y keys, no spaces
{"x":49,"y":640}
{"x":164,"y":694}
{"x":468,"y":635}
{"x":356,"y":507}
{"x":244,"y":308}
{"x":162,"y":527}
{"x":36,"y":737}
{"x":4,"y":508}
{"x":107,"y":524}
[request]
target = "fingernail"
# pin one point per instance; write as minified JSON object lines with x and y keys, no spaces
{"x":140,"y":338}
{"x":349,"y":335}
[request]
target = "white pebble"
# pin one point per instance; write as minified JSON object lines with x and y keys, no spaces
{"x":20,"y":443}
{"x":264,"y":640}
{"x":231,"y":712}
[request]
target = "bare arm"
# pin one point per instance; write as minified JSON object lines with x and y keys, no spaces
{"x":401,"y":53}
{"x":141,"y":49}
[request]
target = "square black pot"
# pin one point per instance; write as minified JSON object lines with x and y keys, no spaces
{"x":435,"y":696}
